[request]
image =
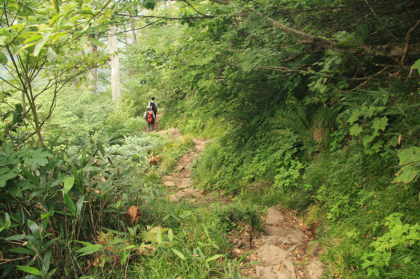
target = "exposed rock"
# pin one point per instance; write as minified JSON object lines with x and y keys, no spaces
{"x":274,"y":216}
{"x":170,"y":183}
{"x":181,"y":194}
{"x":180,"y":168}
{"x":173,"y":198}
{"x":185,"y":184}
{"x":275,"y":240}
{"x":290,"y":233}
{"x":314,"y":270}
{"x":279,"y":261}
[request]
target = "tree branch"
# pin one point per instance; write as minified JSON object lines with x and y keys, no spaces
{"x":407,"y":39}
{"x":308,"y":39}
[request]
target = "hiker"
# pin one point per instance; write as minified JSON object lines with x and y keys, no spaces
{"x":150,"y":117}
{"x":153,"y":105}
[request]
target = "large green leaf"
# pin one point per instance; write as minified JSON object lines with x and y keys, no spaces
{"x":3,"y":58}
{"x":355,"y":130}
{"x":51,"y":55}
{"x":22,"y":250}
{"x":68,"y":184}
{"x":37,"y":158}
{"x":380,"y":123}
{"x":79,"y":205}
{"x":407,"y":173}
{"x":69,"y":203}
{"x":41,"y":44}
{"x":90,"y":249}
{"x":179,"y":254}
{"x":29,"y":269}
{"x":409,"y":155}
{"x":7,"y":176}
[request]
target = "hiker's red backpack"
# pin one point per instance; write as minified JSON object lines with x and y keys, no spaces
{"x":149,"y":116}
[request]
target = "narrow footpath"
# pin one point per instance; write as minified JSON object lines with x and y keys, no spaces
{"x":282,"y":252}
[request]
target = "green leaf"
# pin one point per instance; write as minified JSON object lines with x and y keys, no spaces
{"x":3,"y":178}
{"x":88,"y":250}
{"x":213,"y":258}
{"x":409,"y":155}
{"x":68,"y":184}
{"x":159,"y":236}
{"x":367,"y":139}
{"x":41,"y":44}
{"x":22,"y":250}
{"x":79,"y":205}
{"x":33,"y":38}
{"x":51,"y":55}
{"x":37,"y":158}
{"x":355,"y":130}
{"x":29,"y":269}
{"x":34,"y":228}
{"x":4,"y":40}
{"x":3,"y":58}
{"x":69,"y":203}
{"x":101,"y":148}
{"x":407,"y":174}
{"x":170,"y":235}
{"x":380,"y":124}
{"x":47,"y":259}
{"x":416,"y":65}
{"x":179,"y":254}
{"x":355,"y":116}
{"x":96,"y":42}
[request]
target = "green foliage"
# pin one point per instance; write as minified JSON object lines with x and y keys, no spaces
{"x":410,"y":169}
{"x":398,"y":237}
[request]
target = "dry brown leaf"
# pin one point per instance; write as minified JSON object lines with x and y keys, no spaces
{"x":399,"y":140}
{"x":102,"y":239}
{"x":97,"y":191}
{"x":148,"y":247}
{"x":153,"y":160}
{"x":180,"y":277}
{"x":102,"y":178}
{"x":133,"y":214}
{"x":1,"y":255}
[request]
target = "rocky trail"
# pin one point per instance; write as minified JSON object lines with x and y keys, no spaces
{"x":280,"y":253}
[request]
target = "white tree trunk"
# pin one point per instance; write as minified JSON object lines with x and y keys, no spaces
{"x":115,"y":65}
{"x":133,"y":31}
{"x":92,"y":73}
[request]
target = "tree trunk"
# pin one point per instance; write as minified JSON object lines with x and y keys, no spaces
{"x":92,"y":73}
{"x":115,"y":65}
{"x":133,"y":31}
{"x":125,"y":36}
{"x":23,"y":104}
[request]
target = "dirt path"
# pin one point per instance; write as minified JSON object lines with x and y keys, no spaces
{"x":281,"y":252}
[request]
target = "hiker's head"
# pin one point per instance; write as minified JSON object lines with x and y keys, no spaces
{"x":153,"y":98}
{"x":148,"y":107}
